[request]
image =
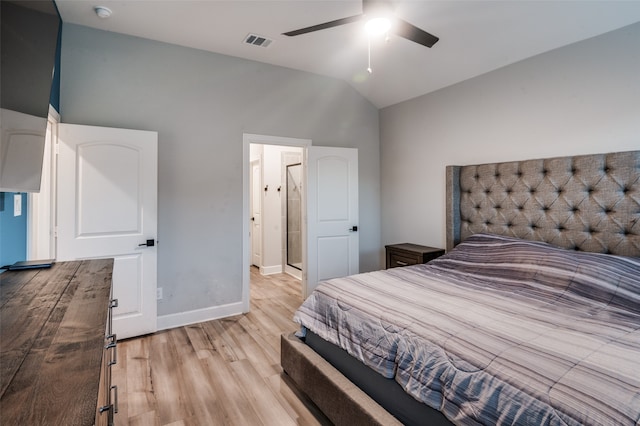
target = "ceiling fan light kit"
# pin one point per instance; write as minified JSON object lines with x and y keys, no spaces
{"x":374,"y":9}
{"x":377,"y":26}
{"x":377,"y":13}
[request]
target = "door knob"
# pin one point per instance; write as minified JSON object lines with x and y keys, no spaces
{"x":149,"y":243}
{"x":353,"y":229}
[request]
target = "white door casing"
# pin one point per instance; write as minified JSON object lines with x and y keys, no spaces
{"x":332,"y":214}
{"x":107,"y":207}
{"x":41,"y":243}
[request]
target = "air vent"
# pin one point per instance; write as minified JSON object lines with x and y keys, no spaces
{"x":257,"y":40}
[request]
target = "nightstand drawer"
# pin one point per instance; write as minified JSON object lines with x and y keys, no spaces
{"x":410,"y":254}
{"x":398,"y":259}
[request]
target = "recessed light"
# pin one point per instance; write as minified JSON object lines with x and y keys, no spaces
{"x":102,"y":12}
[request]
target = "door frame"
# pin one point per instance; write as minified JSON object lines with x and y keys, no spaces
{"x":41,"y":209}
{"x":247,"y":139}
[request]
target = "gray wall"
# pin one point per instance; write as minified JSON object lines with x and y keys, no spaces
{"x":579,"y":99}
{"x":200,"y":104}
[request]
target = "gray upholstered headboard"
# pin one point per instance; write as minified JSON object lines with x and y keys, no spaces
{"x":588,"y":203}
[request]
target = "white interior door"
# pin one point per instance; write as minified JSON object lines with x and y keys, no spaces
{"x":107,"y":207}
{"x":332,"y":214}
{"x":256,"y":217}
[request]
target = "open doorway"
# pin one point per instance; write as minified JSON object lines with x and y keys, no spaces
{"x":274,"y":208}
{"x":329,"y":206}
{"x":275,"y":203}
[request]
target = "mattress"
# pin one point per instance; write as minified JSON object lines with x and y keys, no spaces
{"x":497,"y":331}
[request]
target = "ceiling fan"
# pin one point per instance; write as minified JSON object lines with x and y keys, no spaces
{"x":372,"y":9}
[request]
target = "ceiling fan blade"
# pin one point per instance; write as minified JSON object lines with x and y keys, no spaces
{"x":370,"y":7}
{"x":413,"y":33}
{"x":324,"y":26}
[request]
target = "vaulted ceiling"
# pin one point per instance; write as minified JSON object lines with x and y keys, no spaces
{"x":475,"y":36}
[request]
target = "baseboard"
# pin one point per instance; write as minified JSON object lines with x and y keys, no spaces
{"x":294,"y":272}
{"x":270,"y":270}
{"x":181,"y":319}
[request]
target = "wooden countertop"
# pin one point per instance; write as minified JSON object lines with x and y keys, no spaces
{"x":52,"y":336}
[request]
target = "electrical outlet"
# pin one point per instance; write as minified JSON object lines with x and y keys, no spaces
{"x":159,"y":293}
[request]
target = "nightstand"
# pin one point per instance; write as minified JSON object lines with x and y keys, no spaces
{"x":410,"y":254}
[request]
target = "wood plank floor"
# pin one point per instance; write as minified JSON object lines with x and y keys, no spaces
{"x":223,"y":372}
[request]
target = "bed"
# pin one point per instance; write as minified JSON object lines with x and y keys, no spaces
{"x":532,"y":316}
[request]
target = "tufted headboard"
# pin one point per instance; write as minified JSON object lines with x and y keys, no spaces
{"x":588,"y":203}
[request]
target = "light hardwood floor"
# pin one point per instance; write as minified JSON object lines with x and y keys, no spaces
{"x":223,"y":372}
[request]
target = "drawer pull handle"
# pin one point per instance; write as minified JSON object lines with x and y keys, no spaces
{"x":108,"y":407}
{"x":115,"y":398}
{"x":114,"y":357}
{"x":113,"y":345}
{"x":401,"y":263}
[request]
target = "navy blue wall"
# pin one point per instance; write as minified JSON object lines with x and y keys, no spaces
{"x":54,"y":98}
{"x":13,"y":230}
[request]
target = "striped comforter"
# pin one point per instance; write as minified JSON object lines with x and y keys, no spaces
{"x":498,"y":331}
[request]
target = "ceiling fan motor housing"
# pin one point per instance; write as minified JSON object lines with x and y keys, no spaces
{"x":372,"y":9}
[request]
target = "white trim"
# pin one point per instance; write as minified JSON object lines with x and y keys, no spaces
{"x":53,"y":114}
{"x":181,"y":319}
{"x":41,"y":206}
{"x":270,"y":270}
{"x":247,"y":139}
{"x":294,"y":272}
{"x":250,"y":138}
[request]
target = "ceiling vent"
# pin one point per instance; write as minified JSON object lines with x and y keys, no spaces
{"x":257,"y":40}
